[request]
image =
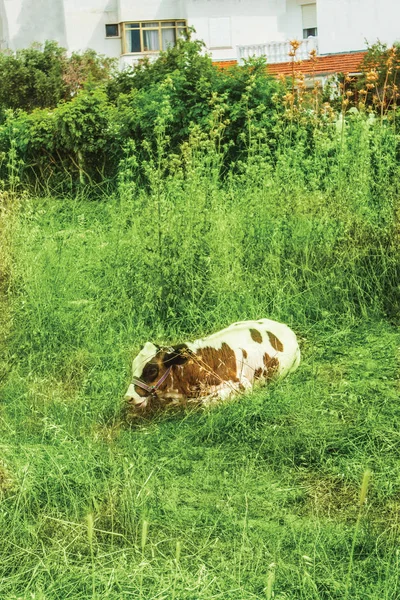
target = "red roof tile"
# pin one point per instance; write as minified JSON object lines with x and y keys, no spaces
{"x":225,"y":64}
{"x":332,"y":63}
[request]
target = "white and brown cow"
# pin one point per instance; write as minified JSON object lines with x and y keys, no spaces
{"x":214,"y":367}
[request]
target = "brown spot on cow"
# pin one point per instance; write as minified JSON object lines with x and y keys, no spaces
{"x":207,"y":367}
{"x":258,"y":373}
{"x":271,"y":364}
{"x":220,"y":364}
{"x":256,"y":336}
{"x":275,"y":343}
{"x":245,"y":355}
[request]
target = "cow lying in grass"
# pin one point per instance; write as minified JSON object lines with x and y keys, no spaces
{"x":212,"y":368}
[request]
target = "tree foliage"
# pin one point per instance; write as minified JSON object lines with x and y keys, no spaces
{"x":42,"y":76}
{"x":32,"y":77}
{"x":95,"y":111}
{"x":378,"y":85}
{"x":68,"y":121}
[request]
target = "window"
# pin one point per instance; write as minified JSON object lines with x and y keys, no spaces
{"x":311,"y":31}
{"x":112,"y":30}
{"x":152,"y":36}
{"x":309,"y":17}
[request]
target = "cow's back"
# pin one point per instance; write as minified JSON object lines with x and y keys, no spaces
{"x":263,"y":348}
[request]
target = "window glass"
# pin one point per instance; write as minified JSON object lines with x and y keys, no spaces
{"x":151,"y":40}
{"x":168,"y":38}
{"x":112,"y":30}
{"x":133,"y":40}
{"x":152,"y":36}
{"x":311,"y":31}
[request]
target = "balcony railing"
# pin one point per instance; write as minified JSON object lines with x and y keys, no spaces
{"x":277,"y":52}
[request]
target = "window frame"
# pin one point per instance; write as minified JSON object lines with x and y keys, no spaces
{"x":158,"y":26}
{"x":113,"y":37}
{"x":315,"y":34}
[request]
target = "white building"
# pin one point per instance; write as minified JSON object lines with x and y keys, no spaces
{"x":231,"y":29}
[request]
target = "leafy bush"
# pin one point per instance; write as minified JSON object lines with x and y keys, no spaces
{"x":378,"y":85}
{"x":183,"y":78}
{"x":39,"y":77}
{"x":249,"y":117}
{"x":32,"y":77}
{"x":70,"y":145}
{"x":87,"y":66}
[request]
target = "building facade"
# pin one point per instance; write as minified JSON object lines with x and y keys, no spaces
{"x":231,"y":29}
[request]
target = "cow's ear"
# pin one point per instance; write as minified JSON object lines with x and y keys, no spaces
{"x":177,"y":355}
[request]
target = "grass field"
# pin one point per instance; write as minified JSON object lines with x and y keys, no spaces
{"x":162,"y":206}
{"x":257,"y":498}
{"x":261,"y":494}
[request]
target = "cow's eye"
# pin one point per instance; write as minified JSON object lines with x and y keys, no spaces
{"x":150,"y":372}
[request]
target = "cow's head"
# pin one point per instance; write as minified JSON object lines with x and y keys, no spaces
{"x":151,"y":374}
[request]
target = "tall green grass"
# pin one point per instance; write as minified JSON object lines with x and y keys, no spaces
{"x":255,"y":499}
{"x":187,"y":254}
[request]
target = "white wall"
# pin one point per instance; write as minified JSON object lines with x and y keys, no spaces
{"x":344,"y":25}
{"x":28,"y":21}
{"x":291,"y":22}
{"x":74,"y":24}
{"x":85,"y":25}
{"x":80,"y":24}
{"x":239,"y":22}
{"x":148,"y":10}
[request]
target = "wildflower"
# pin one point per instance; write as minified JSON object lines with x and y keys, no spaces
{"x":288,"y":97}
{"x":372,"y":76}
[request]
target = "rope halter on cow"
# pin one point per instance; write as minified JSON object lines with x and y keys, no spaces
{"x":152,"y":389}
